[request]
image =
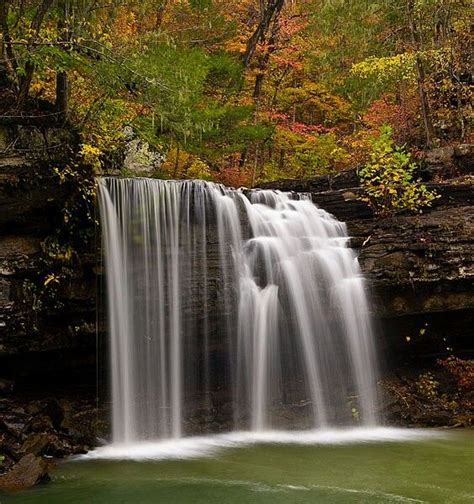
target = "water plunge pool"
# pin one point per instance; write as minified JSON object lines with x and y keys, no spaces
{"x":367,"y":466}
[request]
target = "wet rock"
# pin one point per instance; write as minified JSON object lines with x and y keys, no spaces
{"x":41,"y":424}
{"x":84,"y":427}
{"x":13,"y":425}
{"x":26,"y":428}
{"x":37,"y":444}
{"x":29,"y":471}
{"x":33,"y":407}
{"x":11,"y":449}
{"x":47,"y":444}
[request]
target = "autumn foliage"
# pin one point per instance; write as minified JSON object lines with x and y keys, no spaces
{"x":242,"y":91}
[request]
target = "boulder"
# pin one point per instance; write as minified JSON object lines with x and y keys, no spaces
{"x":29,"y":471}
{"x":47,"y":444}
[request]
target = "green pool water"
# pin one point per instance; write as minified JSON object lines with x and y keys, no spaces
{"x":437,"y":469}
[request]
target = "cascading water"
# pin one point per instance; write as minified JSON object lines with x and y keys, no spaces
{"x":231,"y":309}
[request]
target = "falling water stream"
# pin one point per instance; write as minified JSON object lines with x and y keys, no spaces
{"x":242,"y":308}
{"x":242,"y":362}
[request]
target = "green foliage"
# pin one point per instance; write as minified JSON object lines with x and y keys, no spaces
{"x":349,"y":32}
{"x":388,"y":179}
{"x":311,"y":102}
{"x":224,"y":74}
{"x":171,"y":82}
{"x":303,"y":155}
{"x":234,"y":130}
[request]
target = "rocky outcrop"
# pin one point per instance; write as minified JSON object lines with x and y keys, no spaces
{"x":421,"y":273}
{"x":419,"y":268}
{"x":448,"y":162}
{"x":56,"y":426}
{"x":139,"y":159}
{"x":48,"y":304}
{"x":419,"y":264}
{"x":47,"y":261}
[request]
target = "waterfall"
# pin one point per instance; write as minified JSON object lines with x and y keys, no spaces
{"x":231,"y":310}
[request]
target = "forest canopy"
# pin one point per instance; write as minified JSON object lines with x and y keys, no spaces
{"x":242,"y":91}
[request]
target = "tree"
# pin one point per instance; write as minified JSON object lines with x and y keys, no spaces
{"x":269,"y":12}
{"x":62,"y":81}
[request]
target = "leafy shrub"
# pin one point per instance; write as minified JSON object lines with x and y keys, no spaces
{"x":427,"y":386}
{"x":461,"y":370}
{"x":441,"y":396}
{"x":388,"y":179}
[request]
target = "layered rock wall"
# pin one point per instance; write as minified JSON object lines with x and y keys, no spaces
{"x":47,"y":301}
{"x":419,"y":268}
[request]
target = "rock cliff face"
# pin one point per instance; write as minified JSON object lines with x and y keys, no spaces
{"x":47,"y":287}
{"x":421,"y":272}
{"x":52,"y":345}
{"x":420,"y":269}
{"x":48,"y":304}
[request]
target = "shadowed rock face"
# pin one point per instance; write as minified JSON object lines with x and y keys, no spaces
{"x":45,"y":327}
{"x":419,"y":264}
{"x":421,"y":271}
{"x":420,"y":268}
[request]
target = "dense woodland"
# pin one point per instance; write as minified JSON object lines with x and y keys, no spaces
{"x":242,"y":92}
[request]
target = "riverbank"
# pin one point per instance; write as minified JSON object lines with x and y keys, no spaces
{"x":38,"y":431}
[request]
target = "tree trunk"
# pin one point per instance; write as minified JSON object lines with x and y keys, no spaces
{"x":62,"y":94}
{"x":176,"y":161}
{"x":264,"y":60}
{"x":255,"y":166}
{"x":62,"y":81}
{"x":25,"y":80}
{"x":425,"y":106}
{"x":8,"y":55}
{"x":268,"y":15}
{"x":3,"y":54}
{"x":25,"y":83}
{"x":272,"y":8}
{"x":420,"y":74}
